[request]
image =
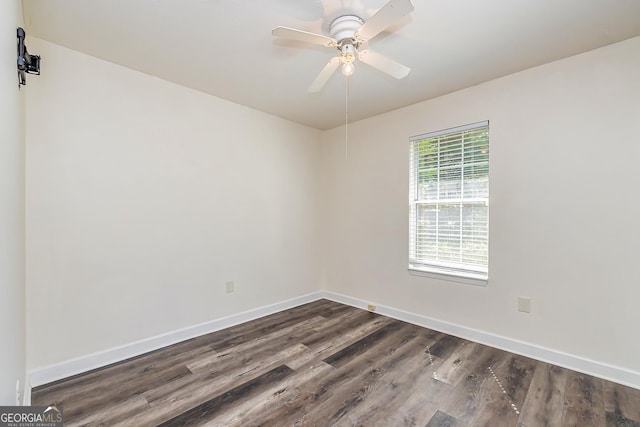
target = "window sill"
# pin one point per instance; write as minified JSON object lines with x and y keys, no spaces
{"x":477,"y":280}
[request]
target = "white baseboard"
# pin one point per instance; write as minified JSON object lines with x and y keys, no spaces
{"x":103,"y":358}
{"x":576,"y":363}
{"x":100,"y":359}
{"x":26,"y":401}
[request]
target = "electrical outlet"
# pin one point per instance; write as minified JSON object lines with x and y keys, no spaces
{"x":230,"y":286}
{"x":371,"y":307}
{"x":18,"y":393}
{"x":524,"y":304}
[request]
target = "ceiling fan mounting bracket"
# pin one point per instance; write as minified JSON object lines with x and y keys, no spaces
{"x":343,"y":29}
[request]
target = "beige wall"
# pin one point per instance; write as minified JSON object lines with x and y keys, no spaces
{"x":12,"y":306}
{"x":564,"y":207}
{"x":144,"y":198}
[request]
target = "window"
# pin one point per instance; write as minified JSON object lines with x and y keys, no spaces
{"x":449,"y":202}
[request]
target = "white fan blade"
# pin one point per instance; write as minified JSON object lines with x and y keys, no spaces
{"x":385,"y":16}
{"x":384,"y":64}
{"x":304,"y":36}
{"x":325,"y":75}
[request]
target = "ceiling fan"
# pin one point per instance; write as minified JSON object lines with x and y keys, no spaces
{"x":350,"y":34}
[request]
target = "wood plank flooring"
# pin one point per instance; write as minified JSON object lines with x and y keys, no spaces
{"x":327,"y":364}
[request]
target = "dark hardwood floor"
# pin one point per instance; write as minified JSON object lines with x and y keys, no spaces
{"x":327,"y":364}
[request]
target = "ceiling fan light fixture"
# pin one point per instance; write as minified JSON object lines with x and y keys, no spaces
{"x":348,"y":68}
{"x":348,"y":57}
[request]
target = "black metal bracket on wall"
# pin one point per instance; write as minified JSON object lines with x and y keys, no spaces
{"x":26,"y":63}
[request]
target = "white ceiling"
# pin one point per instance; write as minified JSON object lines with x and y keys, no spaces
{"x":225,"y":47}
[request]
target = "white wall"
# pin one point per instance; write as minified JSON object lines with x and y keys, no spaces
{"x":564,"y":207}
{"x":12,"y":306}
{"x":144,"y":198}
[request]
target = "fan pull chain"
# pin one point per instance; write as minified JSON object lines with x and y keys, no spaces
{"x":346,"y":119}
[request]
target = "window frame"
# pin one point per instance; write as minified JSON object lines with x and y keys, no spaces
{"x":464,"y":273}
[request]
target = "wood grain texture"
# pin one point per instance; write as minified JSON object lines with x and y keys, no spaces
{"x":205,"y":412}
{"x":545,"y":400}
{"x":328,"y":364}
{"x":440,"y":419}
{"x":622,"y":405}
{"x":584,"y":401}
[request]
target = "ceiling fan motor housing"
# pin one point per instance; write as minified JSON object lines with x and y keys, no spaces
{"x":343,"y":29}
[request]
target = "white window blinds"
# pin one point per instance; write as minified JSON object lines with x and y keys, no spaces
{"x":449,"y":201}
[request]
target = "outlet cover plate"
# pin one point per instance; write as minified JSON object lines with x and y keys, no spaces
{"x":524,"y":304}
